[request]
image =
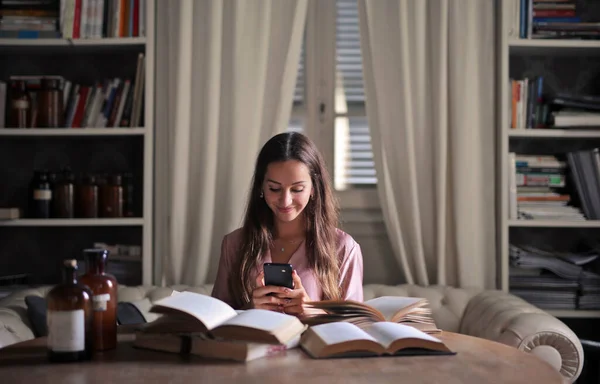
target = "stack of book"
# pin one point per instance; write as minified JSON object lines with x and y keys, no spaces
{"x":537,"y":189}
{"x":555,"y":280}
{"x":575,"y":111}
{"x":29,"y":18}
{"x":552,"y":19}
{"x":192,"y":323}
{"x":196,"y":324}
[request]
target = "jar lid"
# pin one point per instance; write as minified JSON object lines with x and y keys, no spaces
{"x":96,"y":252}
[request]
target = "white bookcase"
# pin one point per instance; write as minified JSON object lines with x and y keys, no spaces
{"x":14,"y":49}
{"x":511,"y":47}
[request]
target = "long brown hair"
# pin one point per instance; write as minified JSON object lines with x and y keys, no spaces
{"x":321,"y":217}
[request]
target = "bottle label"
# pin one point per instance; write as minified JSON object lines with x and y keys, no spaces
{"x":100,"y":301}
{"x":66,"y":330}
{"x":42,"y":194}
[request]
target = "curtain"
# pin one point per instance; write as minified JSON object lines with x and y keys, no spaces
{"x":429,"y":72}
{"x":226,"y":73}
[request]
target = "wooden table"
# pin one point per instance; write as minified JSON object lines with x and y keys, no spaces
{"x":477,"y":361}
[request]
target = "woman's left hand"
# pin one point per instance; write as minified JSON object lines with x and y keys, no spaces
{"x":296,"y":298}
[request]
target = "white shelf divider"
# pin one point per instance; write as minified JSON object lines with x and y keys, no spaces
{"x":555,"y":133}
{"x":554,"y":223}
{"x":554,"y":43}
{"x":73,"y":132}
{"x":574,"y":313}
{"x":99,"y":222}
{"x":111,"y":41}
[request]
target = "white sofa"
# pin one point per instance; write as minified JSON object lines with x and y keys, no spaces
{"x":492,"y":315}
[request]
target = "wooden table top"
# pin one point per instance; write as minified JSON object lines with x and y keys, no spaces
{"x":477,"y":361}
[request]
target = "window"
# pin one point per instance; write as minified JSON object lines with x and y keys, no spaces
{"x":329,"y":100}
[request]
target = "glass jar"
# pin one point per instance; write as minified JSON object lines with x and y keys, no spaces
{"x":50,"y":104}
{"x":87,"y":197}
{"x":63,"y":195}
{"x":104,"y":299}
{"x":69,"y":318}
{"x":19,"y":106}
{"x":112,"y":197}
{"x":40,"y":196}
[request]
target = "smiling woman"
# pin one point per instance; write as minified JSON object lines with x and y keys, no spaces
{"x":291,"y":217}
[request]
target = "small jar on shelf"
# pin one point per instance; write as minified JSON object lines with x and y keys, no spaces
{"x":50,"y":104}
{"x":87,"y":197}
{"x":64,"y":195}
{"x":40,"y":196}
{"x":111,"y":197}
{"x":20,"y":106}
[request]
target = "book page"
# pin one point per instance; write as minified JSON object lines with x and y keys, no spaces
{"x":334,"y":333}
{"x":387,"y":332}
{"x":209,"y":310}
{"x":262,"y":319}
{"x":389,"y":305}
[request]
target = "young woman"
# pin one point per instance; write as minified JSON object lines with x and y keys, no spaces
{"x":291,"y":217}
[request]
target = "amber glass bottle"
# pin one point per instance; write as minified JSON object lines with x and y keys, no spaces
{"x":104,"y":300}
{"x":69,"y":316}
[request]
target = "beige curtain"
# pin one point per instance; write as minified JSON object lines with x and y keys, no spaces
{"x":226,"y":73}
{"x":429,"y":79}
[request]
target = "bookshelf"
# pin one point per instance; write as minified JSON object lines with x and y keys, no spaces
{"x":557,"y":60}
{"x":39,"y":244}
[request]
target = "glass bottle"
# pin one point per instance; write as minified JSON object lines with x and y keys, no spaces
{"x":20,"y":106}
{"x":87,"y":197}
{"x":50,"y":104}
{"x":69,"y":316}
{"x":128,"y":195}
{"x":64,"y":195}
{"x":104,"y":299}
{"x":112,"y":197}
{"x":40,"y":197}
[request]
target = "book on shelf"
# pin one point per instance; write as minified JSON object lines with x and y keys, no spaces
{"x":93,"y":19}
{"x":207,"y":347}
{"x":536,"y":19}
{"x":539,"y":189}
{"x":555,"y":279}
{"x":109,"y":103}
{"x":343,"y":339}
{"x":189,"y":312}
{"x":29,"y":19}
{"x":411,"y":311}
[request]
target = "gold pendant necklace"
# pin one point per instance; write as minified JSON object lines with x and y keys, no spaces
{"x":291,"y":242}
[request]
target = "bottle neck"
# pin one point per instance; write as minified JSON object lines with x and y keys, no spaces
{"x":70,"y":275}
{"x":96,"y":266}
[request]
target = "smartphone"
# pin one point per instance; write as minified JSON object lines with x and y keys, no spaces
{"x":278,"y":274}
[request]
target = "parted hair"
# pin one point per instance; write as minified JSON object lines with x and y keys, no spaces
{"x":321,"y":218}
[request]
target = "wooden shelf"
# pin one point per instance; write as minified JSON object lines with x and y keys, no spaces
{"x":73,"y":132}
{"x":116,"y":222}
{"x":554,"y":223}
{"x":552,"y":46}
{"x":555,"y":133}
{"x":105,"y":42}
{"x":573,"y":313}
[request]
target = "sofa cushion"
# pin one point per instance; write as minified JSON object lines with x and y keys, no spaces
{"x":36,"y":313}
{"x":128,"y":313}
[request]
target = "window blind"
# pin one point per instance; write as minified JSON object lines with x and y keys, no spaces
{"x":354,"y":154}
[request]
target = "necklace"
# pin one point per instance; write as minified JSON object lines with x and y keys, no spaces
{"x":290,"y":242}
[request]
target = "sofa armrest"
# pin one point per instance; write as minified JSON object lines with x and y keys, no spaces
{"x":12,"y":328}
{"x":510,"y":320}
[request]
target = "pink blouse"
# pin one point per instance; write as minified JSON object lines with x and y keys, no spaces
{"x":351,"y":268}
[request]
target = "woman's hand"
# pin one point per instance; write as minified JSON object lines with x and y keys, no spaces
{"x":261,"y":298}
{"x":295,"y":299}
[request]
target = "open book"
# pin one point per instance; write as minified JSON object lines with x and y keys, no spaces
{"x":383,"y":338}
{"x":407,"y":310}
{"x":204,"y":346}
{"x":189,"y":312}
